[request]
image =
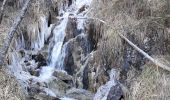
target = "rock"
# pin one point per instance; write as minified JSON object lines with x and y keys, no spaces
{"x":62,"y":75}
{"x":81,"y":9}
{"x":67,"y":98}
{"x":43,"y":96}
{"x":71,"y":63}
{"x":71,"y":29}
{"x":34,"y":72}
{"x":115,"y":93}
{"x":58,"y":86}
{"x":111,"y":90}
{"x":34,"y":89}
{"x":40,"y":59}
{"x":77,"y":49}
{"x":79,"y":94}
{"x":46,"y":94}
{"x":22,"y":52}
{"x":94,"y":74}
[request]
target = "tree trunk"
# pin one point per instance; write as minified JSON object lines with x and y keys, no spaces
{"x":11,"y":33}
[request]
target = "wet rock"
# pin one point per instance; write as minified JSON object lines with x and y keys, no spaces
{"x":69,"y":65}
{"x":71,"y":29}
{"x":40,"y":59}
{"x":58,"y":86}
{"x":81,"y":9}
{"x":22,"y":52}
{"x":27,"y":63}
{"x":62,"y":75}
{"x":77,"y":49}
{"x":10,"y":4}
{"x":105,"y":91}
{"x":115,"y":93}
{"x":34,"y":72}
{"x":34,"y":89}
{"x":79,"y":94}
{"x":43,"y":96}
{"x":94,"y":31}
{"x":85,"y":78}
{"x":41,"y":93}
{"x":94,"y":74}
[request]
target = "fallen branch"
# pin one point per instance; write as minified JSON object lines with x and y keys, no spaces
{"x":11,"y":33}
{"x":2,"y":10}
{"x":156,"y":62}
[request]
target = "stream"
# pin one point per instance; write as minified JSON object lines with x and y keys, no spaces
{"x":41,"y":68}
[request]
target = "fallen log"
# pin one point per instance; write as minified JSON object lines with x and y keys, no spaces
{"x":11,"y":33}
{"x":156,"y":62}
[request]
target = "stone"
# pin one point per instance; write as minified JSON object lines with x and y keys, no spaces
{"x":43,"y":96}
{"x":71,"y":29}
{"x":79,"y":94}
{"x":58,"y":86}
{"x":81,"y":9}
{"x":40,"y":59}
{"x":77,"y":49}
{"x":111,"y":90}
{"x":115,"y":93}
{"x":62,"y":75}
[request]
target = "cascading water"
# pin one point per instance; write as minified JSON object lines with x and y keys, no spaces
{"x":59,"y":33}
{"x":57,"y":49}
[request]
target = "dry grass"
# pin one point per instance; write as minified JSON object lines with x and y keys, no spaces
{"x":152,"y":84}
{"x":144,"y":22}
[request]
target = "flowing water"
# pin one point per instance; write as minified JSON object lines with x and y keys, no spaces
{"x":57,"y":48}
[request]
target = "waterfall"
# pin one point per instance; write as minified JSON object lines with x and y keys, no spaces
{"x":59,"y":34}
{"x":21,"y":64}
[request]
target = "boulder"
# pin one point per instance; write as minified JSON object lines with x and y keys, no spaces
{"x":62,"y":75}
{"x":43,"y":96}
{"x":115,"y":93}
{"x":79,"y":94}
{"x":40,"y":59}
{"x":71,"y":29}
{"x":58,"y":86}
{"x":111,"y":90}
